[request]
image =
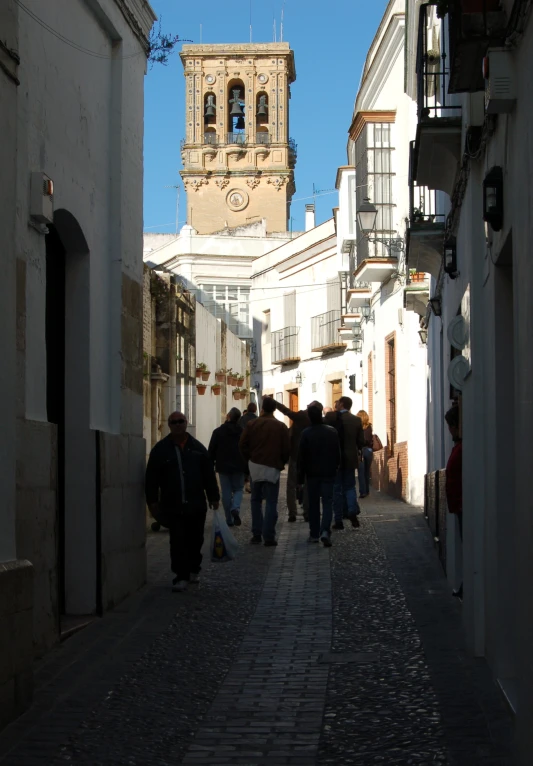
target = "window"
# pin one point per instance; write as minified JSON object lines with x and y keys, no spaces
{"x":231,"y":304}
{"x":390,"y":383}
{"x":266,"y":326}
{"x":370,"y":388}
{"x":373,"y":162}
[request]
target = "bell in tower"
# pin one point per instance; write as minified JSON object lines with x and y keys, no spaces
{"x":262,"y":107}
{"x":210,"y":108}
{"x":236,"y":109}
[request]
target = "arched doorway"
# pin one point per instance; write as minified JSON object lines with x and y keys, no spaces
{"x":68,"y":367}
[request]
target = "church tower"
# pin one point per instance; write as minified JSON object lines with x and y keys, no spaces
{"x":238,"y":158}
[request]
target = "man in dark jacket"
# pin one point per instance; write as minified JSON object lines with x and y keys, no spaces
{"x":224,"y":452}
{"x":299,"y":421}
{"x":265,"y":446}
{"x":249,"y":415}
{"x":318,"y":459}
{"x":352,"y":440}
{"x":179,"y":475}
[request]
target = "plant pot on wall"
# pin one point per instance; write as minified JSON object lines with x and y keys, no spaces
{"x":201,"y":389}
{"x":198,"y":372}
{"x":205,"y":374}
{"x":220,"y":377}
{"x":236,"y":393}
{"x":239,"y":381}
{"x":216,"y":389}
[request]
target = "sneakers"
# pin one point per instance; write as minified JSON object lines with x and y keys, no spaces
{"x":178,"y":586}
{"x":292,"y":517}
{"x":270,"y":543}
{"x":312,"y":539}
{"x":236,"y":518}
{"x":338,"y":525}
{"x":194,"y":578}
{"x":325,"y":539}
{"x":256,"y":540}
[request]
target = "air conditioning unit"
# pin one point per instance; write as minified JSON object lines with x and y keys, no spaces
{"x":500,"y":82}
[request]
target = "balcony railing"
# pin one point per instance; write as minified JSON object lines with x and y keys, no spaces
{"x":423,"y":202}
{"x":324,"y":331}
{"x":262,"y":138}
{"x":236,"y":138}
{"x":285,"y":345}
{"x":432,"y":74}
{"x":210,"y":138}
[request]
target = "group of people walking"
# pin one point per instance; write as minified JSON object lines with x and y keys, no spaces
{"x":323,"y":449}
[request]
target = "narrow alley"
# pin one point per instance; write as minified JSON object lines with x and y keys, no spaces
{"x":290,"y":655}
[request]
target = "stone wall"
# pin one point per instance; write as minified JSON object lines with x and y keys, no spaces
{"x":390,"y":471}
{"x":16,"y":649}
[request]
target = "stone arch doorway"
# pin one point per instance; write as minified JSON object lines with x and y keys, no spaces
{"x":68,"y":356}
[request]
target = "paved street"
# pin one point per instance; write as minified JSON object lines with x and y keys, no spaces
{"x":290,"y":655}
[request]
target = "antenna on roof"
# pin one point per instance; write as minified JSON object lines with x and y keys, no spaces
{"x":250,"y":20}
{"x":200,"y":34}
{"x":281,"y":24}
{"x":274,"y":26}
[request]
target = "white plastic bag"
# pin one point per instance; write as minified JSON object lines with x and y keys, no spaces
{"x":223,"y":545}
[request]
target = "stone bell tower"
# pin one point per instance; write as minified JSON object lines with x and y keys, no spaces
{"x":238,"y":159}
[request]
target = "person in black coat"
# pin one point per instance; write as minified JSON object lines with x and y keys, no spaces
{"x":317,"y":462}
{"x":179,"y":475}
{"x":224,"y":452}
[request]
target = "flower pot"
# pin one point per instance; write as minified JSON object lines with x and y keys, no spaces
{"x":236,"y":395}
{"x":216,"y":390}
{"x":198,"y":372}
{"x":220,"y":377}
{"x":239,"y":381}
{"x":243,"y":395}
{"x":201,"y":389}
{"x":205,"y":375}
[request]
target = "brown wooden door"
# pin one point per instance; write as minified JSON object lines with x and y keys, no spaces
{"x":336,"y":391}
{"x":293,"y":400}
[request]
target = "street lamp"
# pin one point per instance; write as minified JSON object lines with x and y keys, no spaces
{"x":367,"y":214}
{"x":367,"y":313}
{"x":450,"y":257}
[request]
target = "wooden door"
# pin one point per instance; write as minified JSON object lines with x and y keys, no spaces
{"x":293,"y":400}
{"x":336,"y":391}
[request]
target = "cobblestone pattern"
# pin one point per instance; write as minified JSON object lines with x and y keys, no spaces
{"x":383,"y":711}
{"x":169,"y":674}
{"x":270,"y":707}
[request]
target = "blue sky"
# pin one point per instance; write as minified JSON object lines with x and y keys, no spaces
{"x":330,"y":41}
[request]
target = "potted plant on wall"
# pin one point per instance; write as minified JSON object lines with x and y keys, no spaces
{"x":236,"y":393}
{"x":200,"y":367}
{"x":201,"y":387}
{"x":239,"y":379}
{"x":230,"y":377}
{"x":220,"y":375}
{"x":216,"y":388}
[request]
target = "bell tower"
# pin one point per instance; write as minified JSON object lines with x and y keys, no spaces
{"x":238,"y":158}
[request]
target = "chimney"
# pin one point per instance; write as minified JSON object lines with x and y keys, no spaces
{"x":309,"y":217}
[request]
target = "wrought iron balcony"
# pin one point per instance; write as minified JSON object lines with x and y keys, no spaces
{"x":425,"y":232}
{"x":324,"y":331}
{"x":210,"y":138}
{"x":438,"y":136}
{"x":473,"y":27}
{"x":285,"y":345}
{"x":236,"y":138}
{"x":262,"y":138}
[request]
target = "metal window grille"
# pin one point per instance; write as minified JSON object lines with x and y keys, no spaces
{"x":324,"y":329}
{"x":285,"y":345}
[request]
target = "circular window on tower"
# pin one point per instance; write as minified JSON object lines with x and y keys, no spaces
{"x":236,"y":199}
{"x":263,"y":78}
{"x":210,"y":79}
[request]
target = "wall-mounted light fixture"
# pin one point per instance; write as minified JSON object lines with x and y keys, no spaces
{"x":357,"y":330}
{"x":493,"y":198}
{"x":450,"y":258}
{"x":436,"y":305}
{"x":368,"y":314}
{"x":357,"y":345}
{"x":423,"y":335}
{"x":367,"y":214}
{"x":298,"y":378}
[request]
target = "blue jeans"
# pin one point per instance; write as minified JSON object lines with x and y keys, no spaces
{"x":319,"y":488}
{"x":344,"y":486}
{"x":364,"y":471}
{"x":269,"y":492}
{"x":232,"y":485}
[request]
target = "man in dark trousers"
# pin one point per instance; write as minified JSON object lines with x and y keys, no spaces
{"x":352,"y":440}
{"x":318,"y":460}
{"x":224,"y":452}
{"x":179,"y":475}
{"x":265,"y":446}
{"x":299,"y":421}
{"x":249,"y":415}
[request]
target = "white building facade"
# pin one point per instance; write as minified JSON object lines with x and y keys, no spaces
{"x":473,"y":144}
{"x":73,"y":275}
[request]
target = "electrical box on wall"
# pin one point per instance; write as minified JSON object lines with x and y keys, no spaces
{"x":500,"y":81}
{"x":41,"y":198}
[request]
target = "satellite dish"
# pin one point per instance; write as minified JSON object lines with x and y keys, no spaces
{"x":458,"y":332}
{"x":458,"y":371}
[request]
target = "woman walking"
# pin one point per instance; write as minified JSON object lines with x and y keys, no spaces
{"x":367,"y":455}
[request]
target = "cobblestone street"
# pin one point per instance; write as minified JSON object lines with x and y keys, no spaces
{"x":290,"y":655}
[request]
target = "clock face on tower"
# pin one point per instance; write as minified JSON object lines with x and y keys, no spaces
{"x":236,"y":199}
{"x":263,"y":78}
{"x":210,"y":79}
